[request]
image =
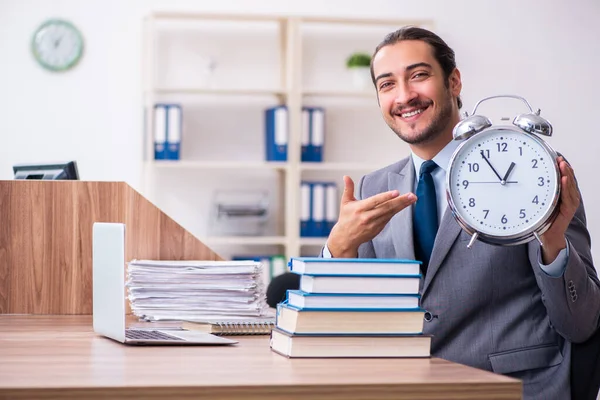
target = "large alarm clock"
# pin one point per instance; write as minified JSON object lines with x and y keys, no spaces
{"x":503,"y":182}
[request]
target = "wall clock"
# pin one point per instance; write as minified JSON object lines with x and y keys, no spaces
{"x":503,"y":183}
{"x":57,"y":45}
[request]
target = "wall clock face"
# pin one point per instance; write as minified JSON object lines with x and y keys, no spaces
{"x":503,"y":184}
{"x":57,"y":45}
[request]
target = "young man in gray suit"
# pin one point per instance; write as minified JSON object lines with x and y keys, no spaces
{"x":512,"y":310}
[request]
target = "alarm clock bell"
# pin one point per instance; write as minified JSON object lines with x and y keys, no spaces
{"x":530,"y":122}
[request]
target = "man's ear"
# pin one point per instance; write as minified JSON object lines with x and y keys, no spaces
{"x":455,"y":83}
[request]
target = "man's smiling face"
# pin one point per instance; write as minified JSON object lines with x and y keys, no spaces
{"x":416,"y":101}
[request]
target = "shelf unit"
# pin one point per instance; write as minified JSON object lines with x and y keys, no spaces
{"x":216,"y":165}
{"x":289,"y":90}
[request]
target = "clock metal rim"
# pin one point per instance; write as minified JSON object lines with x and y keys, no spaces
{"x":511,"y":240}
{"x":69,"y":25}
{"x":519,"y":238}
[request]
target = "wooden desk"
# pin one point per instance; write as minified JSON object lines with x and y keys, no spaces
{"x":60,"y":357}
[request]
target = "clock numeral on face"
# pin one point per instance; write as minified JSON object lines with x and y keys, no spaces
{"x":487,"y":153}
{"x":486,"y":213}
{"x":535,"y":200}
{"x":522,"y":213}
{"x":503,"y":219}
{"x":502,"y":147}
{"x":520,"y":151}
{"x":465,"y":183}
{"x":471,"y":202}
{"x":473,"y":167}
{"x":541,"y":181}
{"x":534,"y":162}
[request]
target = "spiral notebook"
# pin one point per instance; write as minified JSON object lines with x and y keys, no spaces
{"x":232,"y":327}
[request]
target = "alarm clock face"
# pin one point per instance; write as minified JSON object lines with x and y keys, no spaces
{"x":57,"y":45}
{"x":504,"y":184}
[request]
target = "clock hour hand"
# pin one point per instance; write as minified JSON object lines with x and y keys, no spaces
{"x":512,"y":165}
{"x":57,"y":41}
{"x":493,"y":169}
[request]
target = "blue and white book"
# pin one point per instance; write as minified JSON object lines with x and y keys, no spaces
{"x":295,"y":345}
{"x":353,"y":266}
{"x":356,"y":284}
{"x":357,"y":321}
{"x":345,"y":301}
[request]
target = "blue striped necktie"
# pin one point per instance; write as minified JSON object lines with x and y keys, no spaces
{"x":425,"y":224}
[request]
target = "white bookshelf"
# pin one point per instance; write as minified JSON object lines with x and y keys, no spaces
{"x":289,"y":69}
{"x":339,"y":93}
{"x":218,"y":165}
{"x":338,"y":166}
{"x":313,"y":241}
{"x":218,"y":91}
{"x":246,"y":240}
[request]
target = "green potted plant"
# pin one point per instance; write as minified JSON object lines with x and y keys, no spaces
{"x":359,"y":64}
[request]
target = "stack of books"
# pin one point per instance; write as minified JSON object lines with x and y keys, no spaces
{"x":352,"y":308}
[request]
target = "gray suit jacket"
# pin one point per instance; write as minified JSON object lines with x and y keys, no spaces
{"x":493,"y":307}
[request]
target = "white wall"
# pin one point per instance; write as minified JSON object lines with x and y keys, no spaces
{"x":546,"y":51}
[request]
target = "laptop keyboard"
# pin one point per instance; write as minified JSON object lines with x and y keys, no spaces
{"x":138,"y":334}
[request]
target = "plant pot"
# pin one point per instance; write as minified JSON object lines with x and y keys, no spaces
{"x":361,"y":77}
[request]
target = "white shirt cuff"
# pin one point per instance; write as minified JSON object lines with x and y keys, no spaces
{"x":557,"y":267}
{"x":326,"y":252}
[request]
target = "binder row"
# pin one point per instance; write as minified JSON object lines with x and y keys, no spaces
{"x":168,"y":121}
{"x":167,"y":131}
{"x":319,"y":205}
{"x":277,"y":133}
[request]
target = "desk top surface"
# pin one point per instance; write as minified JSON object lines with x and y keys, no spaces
{"x":61,"y":356}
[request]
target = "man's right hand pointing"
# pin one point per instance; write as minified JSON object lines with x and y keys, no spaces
{"x":362,"y":220}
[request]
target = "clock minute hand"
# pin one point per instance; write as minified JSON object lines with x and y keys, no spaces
{"x":494,"y":182}
{"x":493,"y":169}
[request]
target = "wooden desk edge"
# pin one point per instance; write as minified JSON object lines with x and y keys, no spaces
{"x":475,"y":391}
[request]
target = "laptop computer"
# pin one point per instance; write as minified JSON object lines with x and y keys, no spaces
{"x":108,"y":293}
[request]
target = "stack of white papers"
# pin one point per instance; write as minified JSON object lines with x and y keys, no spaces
{"x":196,"y":290}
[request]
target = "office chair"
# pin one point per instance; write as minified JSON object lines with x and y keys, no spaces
{"x":585,"y":368}
{"x":276,"y":291}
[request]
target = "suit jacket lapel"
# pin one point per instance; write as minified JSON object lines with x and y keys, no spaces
{"x":446,"y":236}
{"x":401,"y":223}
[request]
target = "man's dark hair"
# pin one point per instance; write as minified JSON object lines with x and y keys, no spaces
{"x":441,"y":51}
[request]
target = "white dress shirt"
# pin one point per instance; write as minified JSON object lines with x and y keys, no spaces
{"x":442,"y":159}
